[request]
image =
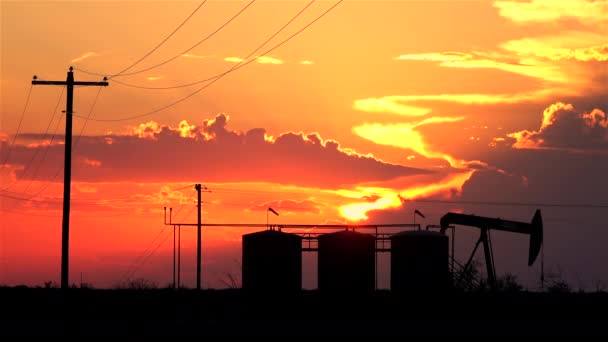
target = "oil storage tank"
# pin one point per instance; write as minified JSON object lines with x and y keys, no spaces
{"x":272,"y":261}
{"x":346,"y":262}
{"x":419,"y":261}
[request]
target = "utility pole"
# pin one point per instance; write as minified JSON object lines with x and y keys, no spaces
{"x":67,"y":168}
{"x":198,"y":234}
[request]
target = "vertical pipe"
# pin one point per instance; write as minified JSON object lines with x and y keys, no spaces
{"x":179,"y":256}
{"x":488,"y":256}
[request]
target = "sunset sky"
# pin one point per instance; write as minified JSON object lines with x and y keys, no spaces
{"x":378,"y":108}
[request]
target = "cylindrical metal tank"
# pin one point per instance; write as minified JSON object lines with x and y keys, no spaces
{"x":419,"y":261}
{"x":346,"y":262}
{"x":272,"y":261}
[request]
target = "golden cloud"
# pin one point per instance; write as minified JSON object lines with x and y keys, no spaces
{"x":233,"y":59}
{"x":394,"y":104}
{"x":146,"y":130}
{"x":388,"y":104}
{"x":436,"y":56}
{"x":269,"y":60}
{"x":596,"y":118}
{"x":191,"y":55}
{"x":549,"y":11}
{"x":405,"y":135}
{"x":568,"y":45}
{"x":186,"y":130}
{"x":536,"y":69}
{"x":385,"y":198}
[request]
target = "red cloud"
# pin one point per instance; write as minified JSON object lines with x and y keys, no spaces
{"x":212,"y":153}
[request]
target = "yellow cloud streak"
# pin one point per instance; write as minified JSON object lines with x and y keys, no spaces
{"x":269,"y":60}
{"x":436,"y":56}
{"x":404,"y":135}
{"x":84,"y":56}
{"x":233,"y":59}
{"x":569,"y":45}
{"x":393,"y":104}
{"x":388,"y":105}
{"x":191,"y":55}
{"x":540,"y":70}
{"x":389,"y":198}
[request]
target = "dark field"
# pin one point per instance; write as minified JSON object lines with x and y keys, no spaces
{"x":225,"y":313}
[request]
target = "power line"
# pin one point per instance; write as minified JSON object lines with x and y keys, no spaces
{"x":141,"y":256}
{"x":10,"y":146}
{"x":190,"y":212}
{"x":192,"y":47}
{"x":184,"y":187}
{"x":197,"y":44}
{"x":84,"y":125}
{"x":46,"y":152}
{"x":14,"y":195}
{"x":149,"y":256}
{"x":554,"y":205}
{"x":518,"y":204}
{"x":174,"y":216}
{"x":256,"y":192}
{"x":236,"y":67}
{"x":221,"y":76}
{"x":59,"y":215}
{"x":251,"y":205}
{"x":151,"y":51}
{"x":48,"y":183}
{"x":31,"y":162}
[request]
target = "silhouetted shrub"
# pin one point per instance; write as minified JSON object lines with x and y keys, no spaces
{"x":50,"y":285}
{"x":508,"y":283}
{"x":137,"y":284}
{"x":556,"y":284}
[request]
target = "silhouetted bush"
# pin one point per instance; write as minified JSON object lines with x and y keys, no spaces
{"x":137,"y":284}
{"x":508,"y":283}
{"x":555,"y":283}
{"x":50,"y":285}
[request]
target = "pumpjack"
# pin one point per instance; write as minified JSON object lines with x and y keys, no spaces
{"x":485,"y":224}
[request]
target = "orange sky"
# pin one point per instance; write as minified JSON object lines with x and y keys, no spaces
{"x":374,"y":103}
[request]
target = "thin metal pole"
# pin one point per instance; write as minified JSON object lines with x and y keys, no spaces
{"x":199,"y":239}
{"x":376,"y":256}
{"x":453,"y":242}
{"x":174,"y":257}
{"x":179,"y":255}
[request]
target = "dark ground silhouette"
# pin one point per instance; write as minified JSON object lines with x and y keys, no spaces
{"x":154,"y":313}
